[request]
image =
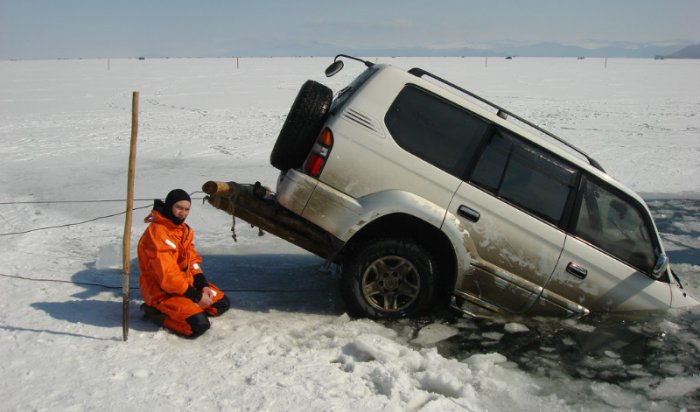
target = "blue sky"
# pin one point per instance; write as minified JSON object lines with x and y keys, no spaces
{"x":202,"y":28}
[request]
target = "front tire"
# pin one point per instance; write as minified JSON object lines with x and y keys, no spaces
{"x":389,"y":279}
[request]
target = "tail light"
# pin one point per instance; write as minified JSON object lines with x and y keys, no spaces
{"x":319,"y":153}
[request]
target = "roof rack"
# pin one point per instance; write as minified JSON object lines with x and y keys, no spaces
{"x":503,"y":113}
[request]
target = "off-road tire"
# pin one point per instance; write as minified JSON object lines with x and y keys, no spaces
{"x":389,"y":279}
{"x":302,"y":126}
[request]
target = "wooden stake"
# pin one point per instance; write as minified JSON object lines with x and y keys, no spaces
{"x":129,"y":209}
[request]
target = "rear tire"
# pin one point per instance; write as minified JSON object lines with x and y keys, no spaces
{"x":302,"y":126}
{"x":389,"y":279}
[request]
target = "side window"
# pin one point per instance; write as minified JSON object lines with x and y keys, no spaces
{"x":492,"y":163}
{"x":435,"y":130}
{"x":616,"y":225}
{"x":526,"y":176}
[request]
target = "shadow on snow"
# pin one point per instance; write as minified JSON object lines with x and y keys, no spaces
{"x":257,"y":283}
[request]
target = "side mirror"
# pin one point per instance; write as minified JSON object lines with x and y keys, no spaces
{"x":334,"y":68}
{"x":661,"y":266}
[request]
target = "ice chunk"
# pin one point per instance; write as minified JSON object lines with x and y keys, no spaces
{"x":434,"y":333}
{"x":387,"y":351}
{"x":578,"y":325}
{"x":485,"y":361}
{"x":442,"y":382}
{"x":515,"y":328}
{"x":617,"y":397}
{"x":493,"y":335}
{"x":674,"y":387}
{"x":673,"y":368}
{"x":668,"y":326}
{"x":568,"y":341}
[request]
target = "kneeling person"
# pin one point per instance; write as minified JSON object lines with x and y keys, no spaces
{"x":175,"y":292}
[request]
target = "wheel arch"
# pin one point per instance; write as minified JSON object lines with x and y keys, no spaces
{"x":401,"y":225}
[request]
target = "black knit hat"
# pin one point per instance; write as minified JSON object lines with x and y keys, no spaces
{"x":175,"y":196}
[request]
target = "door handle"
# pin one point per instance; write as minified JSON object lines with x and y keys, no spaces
{"x":469,"y":213}
{"x":576,"y":270}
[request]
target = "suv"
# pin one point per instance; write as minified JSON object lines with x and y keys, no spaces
{"x":422,"y":191}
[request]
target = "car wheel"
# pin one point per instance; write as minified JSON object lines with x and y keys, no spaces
{"x":389,"y":278}
{"x":302,"y":126}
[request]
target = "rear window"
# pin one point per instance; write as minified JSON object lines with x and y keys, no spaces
{"x":435,"y":129}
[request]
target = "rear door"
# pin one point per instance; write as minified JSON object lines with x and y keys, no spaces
{"x":511,"y":207}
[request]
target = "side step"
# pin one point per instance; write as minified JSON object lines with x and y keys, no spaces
{"x":474,"y":307}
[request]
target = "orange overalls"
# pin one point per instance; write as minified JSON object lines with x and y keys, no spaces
{"x":168,"y":263}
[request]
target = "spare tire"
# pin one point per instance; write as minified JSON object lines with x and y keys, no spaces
{"x":302,"y":126}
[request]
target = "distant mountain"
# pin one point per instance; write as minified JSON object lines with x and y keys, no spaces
{"x":562,"y":50}
{"x":550,"y":49}
{"x":537,"y":50}
{"x":690,"y":52}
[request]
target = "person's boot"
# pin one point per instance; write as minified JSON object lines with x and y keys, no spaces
{"x":152,"y":314}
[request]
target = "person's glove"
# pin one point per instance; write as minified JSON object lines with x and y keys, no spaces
{"x":193,"y":294}
{"x":200,"y":282}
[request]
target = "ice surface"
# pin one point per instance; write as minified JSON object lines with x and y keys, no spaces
{"x":286,"y":344}
{"x":109,"y":256}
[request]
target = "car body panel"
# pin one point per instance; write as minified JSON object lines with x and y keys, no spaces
{"x":609,"y":285}
{"x":514,"y":253}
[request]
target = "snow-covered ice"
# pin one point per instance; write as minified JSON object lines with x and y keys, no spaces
{"x":287,"y":344}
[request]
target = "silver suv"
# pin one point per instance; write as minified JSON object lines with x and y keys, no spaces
{"x":423,"y":192}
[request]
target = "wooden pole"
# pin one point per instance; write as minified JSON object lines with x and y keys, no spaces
{"x":129,"y":209}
